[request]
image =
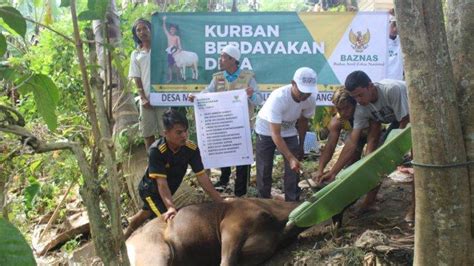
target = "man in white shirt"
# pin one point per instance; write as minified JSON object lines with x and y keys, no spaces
{"x":150,"y":116}
{"x":283,"y":118}
{"x":395,"y":56}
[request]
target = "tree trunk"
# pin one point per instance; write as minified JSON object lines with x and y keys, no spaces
{"x":234,"y":6}
{"x":108,"y":241}
{"x":460,"y":39}
{"x":442,"y":228}
{"x":124,"y":111}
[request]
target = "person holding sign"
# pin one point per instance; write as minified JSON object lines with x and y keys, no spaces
{"x":233,"y":78}
{"x":150,"y":116}
{"x":282,"y":119}
{"x":168,"y":161}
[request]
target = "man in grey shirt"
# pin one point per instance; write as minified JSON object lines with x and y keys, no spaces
{"x":384,"y":102}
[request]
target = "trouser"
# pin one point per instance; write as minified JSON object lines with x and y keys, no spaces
{"x":241,"y":178}
{"x":265,"y":151}
{"x":148,"y":191}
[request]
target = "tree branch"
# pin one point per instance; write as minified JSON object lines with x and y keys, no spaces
{"x":67,"y":38}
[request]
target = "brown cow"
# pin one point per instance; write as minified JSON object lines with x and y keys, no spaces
{"x":237,"y":231}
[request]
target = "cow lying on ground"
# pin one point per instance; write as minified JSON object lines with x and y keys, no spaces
{"x":238,"y":231}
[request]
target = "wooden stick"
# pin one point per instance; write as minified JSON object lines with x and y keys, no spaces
{"x":56,"y":212}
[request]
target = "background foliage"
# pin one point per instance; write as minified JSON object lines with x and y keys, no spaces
{"x":40,"y":77}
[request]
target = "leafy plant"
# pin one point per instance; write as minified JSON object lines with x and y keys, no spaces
{"x":14,"y":250}
{"x":72,"y":244}
{"x":30,"y":192}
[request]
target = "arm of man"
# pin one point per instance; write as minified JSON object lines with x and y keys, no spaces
{"x":404,"y":122}
{"x":210,"y":88}
{"x":206,"y":184}
{"x":373,"y":136}
{"x":165,"y":194}
{"x":165,"y":30}
{"x":302,"y":126}
{"x":283,"y":148}
{"x":203,"y":179}
{"x":144,"y":100}
{"x":335,"y":128}
{"x":254,"y":94}
{"x":346,"y":154}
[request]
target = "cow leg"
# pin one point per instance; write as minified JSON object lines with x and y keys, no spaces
{"x":232,"y":241}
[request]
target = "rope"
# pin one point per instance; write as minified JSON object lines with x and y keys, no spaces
{"x":451,"y":165}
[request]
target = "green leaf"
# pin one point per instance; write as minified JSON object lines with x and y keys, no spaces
{"x":14,"y":250}
{"x":65,"y":3}
{"x":13,"y":19}
{"x":7,"y":73}
{"x":37,"y":3}
{"x":96,"y":10}
{"x":3,"y":45}
{"x":46,"y":96}
{"x":35,"y":165}
{"x":22,"y":84}
{"x":88,"y":15}
{"x":30,"y":192}
{"x":91,"y":4}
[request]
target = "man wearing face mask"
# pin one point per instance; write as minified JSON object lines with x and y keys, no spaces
{"x":282,"y":119}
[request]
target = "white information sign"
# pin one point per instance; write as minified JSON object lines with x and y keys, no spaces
{"x":223,"y":128}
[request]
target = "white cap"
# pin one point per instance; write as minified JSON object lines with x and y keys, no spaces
{"x":306,"y":79}
{"x":232,"y":51}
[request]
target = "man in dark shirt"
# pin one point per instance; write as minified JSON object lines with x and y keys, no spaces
{"x":168,"y":161}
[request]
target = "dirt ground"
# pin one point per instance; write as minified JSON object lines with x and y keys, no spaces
{"x":325,"y":245}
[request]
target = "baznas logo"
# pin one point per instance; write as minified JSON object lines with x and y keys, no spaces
{"x":359,"y":42}
{"x":236,"y":99}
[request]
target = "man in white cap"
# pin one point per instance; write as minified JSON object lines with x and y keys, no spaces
{"x":282,"y":119}
{"x":231,"y":77}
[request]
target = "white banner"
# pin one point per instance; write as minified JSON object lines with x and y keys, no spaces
{"x":181,"y":98}
{"x":223,"y":128}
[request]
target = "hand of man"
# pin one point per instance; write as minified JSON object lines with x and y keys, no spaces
{"x":329,"y":177}
{"x":145,"y":102}
{"x":249,"y":91}
{"x":317,"y":175}
{"x":170,"y":214}
{"x":191,"y":97}
{"x":295,"y":165}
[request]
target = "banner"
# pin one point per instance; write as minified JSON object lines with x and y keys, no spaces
{"x":223,"y":128}
{"x":272,"y":44}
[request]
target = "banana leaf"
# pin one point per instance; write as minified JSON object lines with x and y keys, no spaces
{"x":354,"y":181}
